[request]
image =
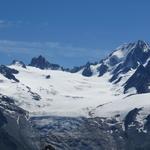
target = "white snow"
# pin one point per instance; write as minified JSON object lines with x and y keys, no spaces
{"x":94,"y":69}
{"x":123,"y":106}
{"x":69,"y":94}
{"x":119,"y":53}
{"x":64,"y":94}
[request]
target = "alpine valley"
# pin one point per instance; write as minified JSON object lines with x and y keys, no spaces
{"x":98,"y":106}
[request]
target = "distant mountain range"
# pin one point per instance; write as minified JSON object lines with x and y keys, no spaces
{"x":132,"y":56}
{"x":98,"y":106}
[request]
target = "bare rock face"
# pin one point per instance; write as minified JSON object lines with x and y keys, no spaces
{"x":102,"y":69}
{"x":42,"y":63}
{"x":81,"y":133}
{"x":66,"y":133}
{"x":139,"y":80}
{"x":87,"y":70}
{"x":8,"y":72}
{"x":15,"y":130}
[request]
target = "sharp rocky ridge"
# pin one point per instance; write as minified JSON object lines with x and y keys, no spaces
{"x":133,"y":57}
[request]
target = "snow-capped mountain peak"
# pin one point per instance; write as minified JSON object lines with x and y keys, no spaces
{"x":121,"y":60}
{"x":121,"y":65}
{"x":127,"y":49}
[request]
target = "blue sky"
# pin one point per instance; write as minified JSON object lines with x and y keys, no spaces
{"x":70,"y":32}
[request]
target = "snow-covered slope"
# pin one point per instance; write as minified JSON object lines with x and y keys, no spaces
{"x":123,"y":106}
{"x":62,"y":94}
{"x":49,"y":91}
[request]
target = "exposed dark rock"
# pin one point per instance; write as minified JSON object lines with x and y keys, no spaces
{"x":137,"y":134}
{"x":42,"y":63}
{"x":4,"y":69}
{"x":102,"y":69}
{"x":113,"y":60}
{"x":114,"y":77}
{"x":49,"y":147}
{"x":16,"y":132}
{"x":3,"y":119}
{"x":8,"y":72}
{"x":48,"y":77}
{"x":87,"y":70}
{"x":140,"y":80}
{"x":66,"y":133}
{"x":18,"y":63}
{"x":117,"y":69}
{"x":34,"y":95}
{"x":137,"y":55}
{"x":131,"y":117}
{"x":147,"y":124}
{"x":7,"y":99}
{"x":119,"y":79}
{"x":85,"y":67}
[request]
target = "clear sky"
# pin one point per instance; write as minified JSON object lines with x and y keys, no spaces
{"x":70,"y":32}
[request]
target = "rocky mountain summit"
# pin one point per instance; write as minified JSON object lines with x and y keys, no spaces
{"x":42,"y":63}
